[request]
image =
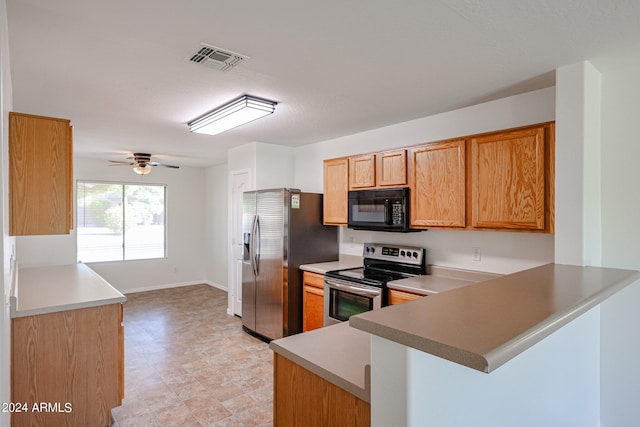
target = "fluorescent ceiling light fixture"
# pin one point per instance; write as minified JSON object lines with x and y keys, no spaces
{"x":237,"y":112}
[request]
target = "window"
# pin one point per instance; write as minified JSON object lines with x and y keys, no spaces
{"x":119,"y":222}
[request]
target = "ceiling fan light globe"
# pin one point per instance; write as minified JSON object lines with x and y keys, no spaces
{"x":142,"y":170}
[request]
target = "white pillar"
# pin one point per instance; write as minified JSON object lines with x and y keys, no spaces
{"x":578,"y":222}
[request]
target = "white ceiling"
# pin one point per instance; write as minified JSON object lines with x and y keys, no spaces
{"x":119,"y":70}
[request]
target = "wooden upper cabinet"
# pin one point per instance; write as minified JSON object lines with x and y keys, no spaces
{"x":501,"y":181}
{"x":391,"y":168}
{"x":336,"y":191}
{"x":378,"y":170}
{"x":436,"y":175}
{"x":508,"y":175}
{"x":40,"y":175}
{"x":362,"y":172}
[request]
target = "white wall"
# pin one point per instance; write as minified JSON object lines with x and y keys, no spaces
{"x":620,"y":246}
{"x":216,"y":225}
{"x":271,"y":166}
{"x":274,"y":166}
{"x":546,"y":385}
{"x":502,"y":252}
{"x":6,"y":248}
{"x":185,"y":231}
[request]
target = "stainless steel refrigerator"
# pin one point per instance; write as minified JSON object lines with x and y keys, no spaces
{"x":282,"y":229}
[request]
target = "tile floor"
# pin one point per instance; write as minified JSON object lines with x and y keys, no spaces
{"x":188,"y":363}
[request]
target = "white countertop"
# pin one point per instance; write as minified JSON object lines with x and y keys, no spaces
{"x":40,"y":290}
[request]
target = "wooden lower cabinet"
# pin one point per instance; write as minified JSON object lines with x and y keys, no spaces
{"x":67,"y":367}
{"x":302,"y":398}
{"x":312,"y":301}
{"x":398,"y":297}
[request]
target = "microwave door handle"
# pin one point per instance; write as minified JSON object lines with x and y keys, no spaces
{"x":388,"y":216}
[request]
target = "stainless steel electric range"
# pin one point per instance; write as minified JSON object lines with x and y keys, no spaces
{"x":356,"y":290}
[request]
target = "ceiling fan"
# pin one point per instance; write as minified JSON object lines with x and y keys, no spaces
{"x":141,"y":162}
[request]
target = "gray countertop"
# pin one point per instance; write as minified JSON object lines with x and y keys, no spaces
{"x":41,"y":290}
{"x":338,"y":353}
{"x":341,"y":354}
{"x":485,"y":325}
{"x":346,"y":261}
{"x":440,"y":279}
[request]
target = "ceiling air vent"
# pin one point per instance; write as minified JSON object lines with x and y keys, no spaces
{"x":217,"y":58}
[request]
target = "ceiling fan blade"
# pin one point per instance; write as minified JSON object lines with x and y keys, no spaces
{"x":142,"y":160}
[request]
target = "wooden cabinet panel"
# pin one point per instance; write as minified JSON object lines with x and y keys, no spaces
{"x":302,"y":398}
{"x":391,"y":168}
{"x":312,"y":301}
{"x":508,"y":176}
{"x":437,"y":182}
{"x":40,"y":175}
{"x":375,"y":170}
{"x":313,"y":279}
{"x":121,"y":355}
{"x":336,"y":191}
{"x":71,"y":358}
{"x":362,"y":172}
{"x":500,"y":181}
{"x":398,"y":297}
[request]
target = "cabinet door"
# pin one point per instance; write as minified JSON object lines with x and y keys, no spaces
{"x":336,"y":189}
{"x":302,"y":398}
{"x":312,"y":301}
{"x":508,"y":176}
{"x":67,"y":356}
{"x":437,"y":182}
{"x":398,"y":297}
{"x":362,"y":172}
{"x":391,"y":168}
{"x":41,"y":175}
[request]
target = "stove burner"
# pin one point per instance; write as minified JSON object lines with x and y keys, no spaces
{"x":383,"y":264}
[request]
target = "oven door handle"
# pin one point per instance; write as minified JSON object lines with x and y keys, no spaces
{"x":353,"y":289}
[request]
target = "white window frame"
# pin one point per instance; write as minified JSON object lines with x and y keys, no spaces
{"x":122,"y":185}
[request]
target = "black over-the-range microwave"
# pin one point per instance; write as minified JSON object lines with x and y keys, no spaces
{"x":379,"y":210}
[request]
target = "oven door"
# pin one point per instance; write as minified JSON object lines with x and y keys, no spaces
{"x":343,"y":299}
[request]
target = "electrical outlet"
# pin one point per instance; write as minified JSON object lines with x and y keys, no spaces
{"x":476,"y":254}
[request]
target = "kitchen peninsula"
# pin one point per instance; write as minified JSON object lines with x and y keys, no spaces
{"x":67,"y":346}
{"x":540,"y":326}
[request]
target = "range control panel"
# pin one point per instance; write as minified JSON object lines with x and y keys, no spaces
{"x":393,"y":253}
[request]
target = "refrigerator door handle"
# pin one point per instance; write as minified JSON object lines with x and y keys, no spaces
{"x":256,"y":249}
{"x":252,"y":245}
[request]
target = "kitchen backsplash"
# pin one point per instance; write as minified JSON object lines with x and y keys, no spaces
{"x":494,"y":252}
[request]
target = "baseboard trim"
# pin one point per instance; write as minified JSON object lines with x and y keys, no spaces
{"x":173,"y":285}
